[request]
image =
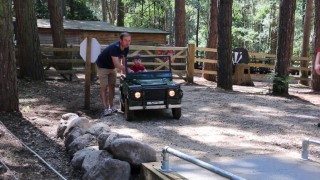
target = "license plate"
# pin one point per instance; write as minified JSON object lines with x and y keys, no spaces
{"x":154,"y":102}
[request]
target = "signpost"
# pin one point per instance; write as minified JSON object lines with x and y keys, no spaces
{"x":89,"y":54}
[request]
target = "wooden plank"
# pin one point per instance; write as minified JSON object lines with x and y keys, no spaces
{"x":70,"y":71}
{"x":262,"y":55}
{"x":205,"y":49}
{"x":76,"y":61}
{"x":261,"y":65}
{"x":87,"y":74}
{"x":213,"y":61}
{"x":260,"y":75}
{"x":301,"y":59}
{"x":300,"y":68}
{"x":137,"y":47}
{"x":301,"y":79}
{"x":178,"y":54}
{"x":178,"y":64}
{"x":190,"y":67}
{"x":51,"y":49}
{"x":205,"y":71}
{"x":184,"y":72}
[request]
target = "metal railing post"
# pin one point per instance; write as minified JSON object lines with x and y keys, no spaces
{"x":305,"y":147}
{"x":166,"y":168}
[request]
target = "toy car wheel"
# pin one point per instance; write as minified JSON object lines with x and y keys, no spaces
{"x":176,"y":112}
{"x":122,"y":106}
{"x":128,"y":114}
{"x":121,"y":102}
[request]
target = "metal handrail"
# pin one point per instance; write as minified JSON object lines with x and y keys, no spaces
{"x":165,"y":167}
{"x":305,"y":147}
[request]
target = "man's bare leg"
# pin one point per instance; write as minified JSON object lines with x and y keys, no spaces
{"x":111,"y":94}
{"x":103,"y":92}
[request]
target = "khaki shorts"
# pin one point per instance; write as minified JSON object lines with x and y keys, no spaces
{"x":107,"y":76}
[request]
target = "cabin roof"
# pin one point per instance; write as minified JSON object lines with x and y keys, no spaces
{"x":97,"y":26}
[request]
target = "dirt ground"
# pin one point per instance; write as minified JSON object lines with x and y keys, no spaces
{"x":214,"y":123}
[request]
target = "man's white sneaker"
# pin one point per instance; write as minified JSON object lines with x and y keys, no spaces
{"x":113,"y":109}
{"x":107,"y":112}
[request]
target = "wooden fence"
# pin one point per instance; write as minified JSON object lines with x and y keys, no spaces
{"x":183,"y":59}
{"x":264,"y":62}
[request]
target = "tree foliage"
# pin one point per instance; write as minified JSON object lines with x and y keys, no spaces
{"x":75,"y":10}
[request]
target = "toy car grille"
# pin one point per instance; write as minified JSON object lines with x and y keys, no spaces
{"x":155,"y":95}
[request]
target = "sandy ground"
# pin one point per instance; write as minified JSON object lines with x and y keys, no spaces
{"x":214,"y":123}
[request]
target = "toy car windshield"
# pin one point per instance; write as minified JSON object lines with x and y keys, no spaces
{"x":145,"y":64}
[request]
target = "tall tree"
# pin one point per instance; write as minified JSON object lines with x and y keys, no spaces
{"x":57,"y":30}
{"x":104,"y":11}
{"x":212,"y":40}
{"x":56,"y":22}
{"x":120,"y":16}
{"x":28,"y":40}
{"x":273,"y":29}
{"x":180,"y":23}
{"x":198,"y":24}
{"x":306,"y":40}
{"x":224,"y":47}
{"x":284,"y":47}
{"x":8,"y":77}
{"x":316,"y":44}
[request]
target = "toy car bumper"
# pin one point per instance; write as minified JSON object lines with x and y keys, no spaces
{"x":155,"y":107}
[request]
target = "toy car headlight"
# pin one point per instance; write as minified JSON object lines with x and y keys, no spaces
{"x":172,"y":93}
{"x":137,"y":95}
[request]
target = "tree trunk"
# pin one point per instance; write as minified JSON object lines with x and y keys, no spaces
{"x":197,"y":26}
{"x":8,"y":77}
{"x":316,"y":44}
{"x":28,"y":40}
{"x":180,"y":23}
{"x":305,"y":42}
{"x":56,"y":22}
{"x":104,"y":10}
{"x":224,"y":47}
{"x":273,"y":30}
{"x":284,"y":48}
{"x":57,"y":30}
{"x":212,"y":41}
{"x":120,"y":17}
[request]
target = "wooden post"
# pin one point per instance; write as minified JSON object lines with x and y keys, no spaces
{"x":190,"y":62}
{"x":87,"y":75}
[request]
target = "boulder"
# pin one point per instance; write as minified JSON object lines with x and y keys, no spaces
{"x":80,"y":122}
{"x":79,"y":156}
{"x":109,"y":169}
{"x":94,"y":158}
{"x":132,"y":151}
{"x":98,"y":129}
{"x":72,"y":135}
{"x":105,"y":145}
{"x":69,"y":116}
{"x":64,"y":122}
{"x":102,"y":138}
{"x":81,"y":142}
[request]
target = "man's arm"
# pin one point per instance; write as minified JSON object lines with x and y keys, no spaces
{"x":317,"y":63}
{"x":117,"y":65}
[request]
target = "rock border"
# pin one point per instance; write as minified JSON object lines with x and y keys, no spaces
{"x":100,"y":153}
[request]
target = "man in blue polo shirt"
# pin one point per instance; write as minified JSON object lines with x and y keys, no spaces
{"x":107,"y":61}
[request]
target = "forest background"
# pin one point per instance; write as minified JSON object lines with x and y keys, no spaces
{"x":254,"y":22}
